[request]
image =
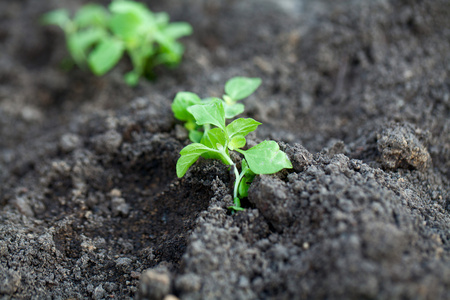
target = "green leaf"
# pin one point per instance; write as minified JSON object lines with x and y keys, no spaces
{"x":162,"y":39}
{"x":132,"y":78}
{"x":241,"y":87}
{"x":91,"y":15}
{"x":170,"y":52}
{"x":177,"y":29}
{"x":132,"y":7}
{"x":246,"y":180}
{"x":210,"y":100}
{"x":126,"y":26}
{"x":212,"y":138}
{"x":132,"y":21}
{"x":59,"y":17}
{"x":242,"y":127}
{"x":161,"y":19}
{"x":233,"y":110}
{"x":244,"y":185}
{"x":236,"y":208}
{"x":189,"y":156}
{"x":180,"y":104}
{"x":105,"y":55}
{"x":191,"y":125}
{"x":237,"y":205}
{"x":266,"y":158}
{"x":195,"y":136}
{"x":79,"y":43}
{"x":212,"y":113}
{"x":139,"y":56}
{"x":237,"y":142}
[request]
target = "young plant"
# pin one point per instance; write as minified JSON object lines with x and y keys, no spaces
{"x":219,"y":139}
{"x":236,"y":89}
{"x":98,"y":38}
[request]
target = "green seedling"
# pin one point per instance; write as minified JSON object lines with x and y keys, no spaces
{"x":97,"y":38}
{"x":236,"y":89}
{"x":219,"y":139}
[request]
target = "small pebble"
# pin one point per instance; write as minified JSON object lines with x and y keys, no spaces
{"x":99,"y":293}
{"x":69,"y":142}
{"x":154,"y":284}
{"x":124,"y":263}
{"x":188,"y":283}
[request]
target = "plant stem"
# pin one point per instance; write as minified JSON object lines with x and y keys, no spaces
{"x":237,"y":176}
{"x":236,"y":181}
{"x":206,"y":128}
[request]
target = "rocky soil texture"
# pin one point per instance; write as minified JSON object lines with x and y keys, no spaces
{"x":357,"y":93}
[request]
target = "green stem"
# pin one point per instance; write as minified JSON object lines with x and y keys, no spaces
{"x":236,"y":182}
{"x":237,"y":176}
{"x":206,"y":128}
{"x":240,"y":151}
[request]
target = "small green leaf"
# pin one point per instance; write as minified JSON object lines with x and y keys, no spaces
{"x":170,"y":54}
{"x":105,"y":56}
{"x":242,"y":127}
{"x":163,"y":40}
{"x":212,"y":113}
{"x":177,"y":29}
{"x":237,"y":205}
{"x":191,"y":125}
{"x":246,"y":180}
{"x":132,"y":78}
{"x":233,"y":110}
{"x":126,"y":26}
{"x":238,"y":141}
{"x":210,"y":100}
{"x":189,"y":156}
{"x":139,"y":56}
{"x":91,"y":15}
{"x":79,"y":43}
{"x":244,"y":185}
{"x":195,"y":136}
{"x":132,"y":7}
{"x":266,"y":158}
{"x":161,"y":19}
{"x":182,"y":101}
{"x":212,"y":138}
{"x":236,"y":208}
{"x":241,"y":87}
{"x":228,"y":100}
{"x":59,"y":17}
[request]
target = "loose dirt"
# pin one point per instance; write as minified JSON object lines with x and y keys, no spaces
{"x":357,"y":93}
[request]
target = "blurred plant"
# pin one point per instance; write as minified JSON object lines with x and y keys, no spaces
{"x":98,"y":38}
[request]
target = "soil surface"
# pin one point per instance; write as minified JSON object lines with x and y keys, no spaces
{"x":357,"y":93}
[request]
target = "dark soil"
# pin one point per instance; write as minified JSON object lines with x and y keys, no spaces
{"x":357,"y":93}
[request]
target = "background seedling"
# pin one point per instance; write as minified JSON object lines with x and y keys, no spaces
{"x":236,"y":89}
{"x":218,"y":139}
{"x":98,"y":38}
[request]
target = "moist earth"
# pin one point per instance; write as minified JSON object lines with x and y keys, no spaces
{"x":357,"y":93}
